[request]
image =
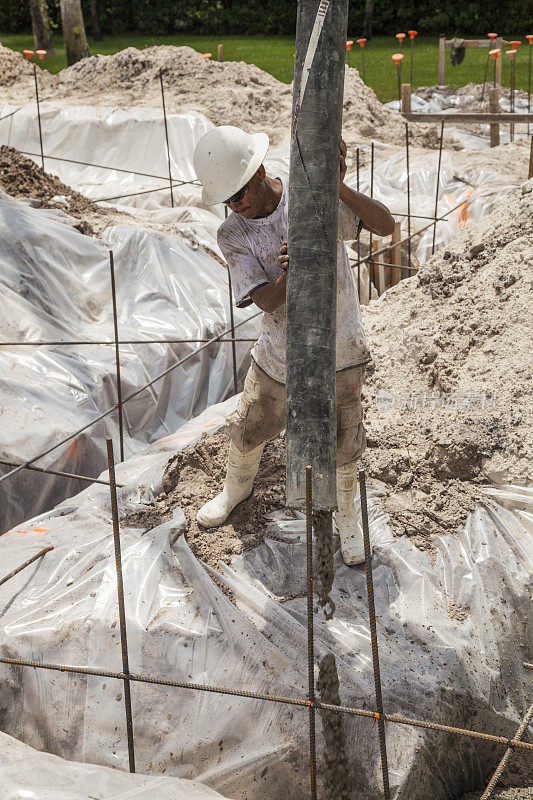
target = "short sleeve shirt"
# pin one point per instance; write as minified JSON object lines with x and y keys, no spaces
{"x":251,"y":248}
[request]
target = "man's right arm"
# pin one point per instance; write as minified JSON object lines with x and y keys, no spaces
{"x":270,"y":297}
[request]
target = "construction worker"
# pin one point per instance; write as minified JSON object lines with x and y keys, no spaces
{"x":229,"y":164}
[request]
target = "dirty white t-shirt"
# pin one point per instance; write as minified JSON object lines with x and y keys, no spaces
{"x":251,"y":248}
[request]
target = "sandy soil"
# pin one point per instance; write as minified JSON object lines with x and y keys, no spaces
{"x":195,"y":475}
{"x":230,"y":92}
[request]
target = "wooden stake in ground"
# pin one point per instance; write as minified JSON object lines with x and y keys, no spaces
{"x":73,"y":31}
{"x":220,"y":52}
{"x":395,"y":254}
{"x":530,"y":171}
{"x":494,"y":107}
{"x":40,"y":24}
{"x":406,"y":98}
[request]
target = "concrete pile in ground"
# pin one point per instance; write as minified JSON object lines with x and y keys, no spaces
{"x":228,"y":92}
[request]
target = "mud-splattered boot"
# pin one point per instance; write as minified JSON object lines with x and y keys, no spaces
{"x":240,"y":474}
{"x":350,"y":531}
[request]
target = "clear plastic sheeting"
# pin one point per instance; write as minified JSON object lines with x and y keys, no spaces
{"x":454,"y":627}
{"x":56,"y":287}
{"x":117,"y":138}
{"x":29,"y":773}
{"x":124,"y":138}
{"x":474,"y":189}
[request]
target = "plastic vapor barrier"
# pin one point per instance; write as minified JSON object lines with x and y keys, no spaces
{"x":125,"y":138}
{"x":453,"y":634}
{"x":56,"y":286}
{"x":26,"y":773}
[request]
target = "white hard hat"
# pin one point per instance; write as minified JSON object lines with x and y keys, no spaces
{"x":225,"y":159}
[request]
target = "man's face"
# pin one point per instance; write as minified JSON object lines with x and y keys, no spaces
{"x":251,"y":205}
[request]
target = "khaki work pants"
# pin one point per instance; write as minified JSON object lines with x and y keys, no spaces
{"x":260,"y":414}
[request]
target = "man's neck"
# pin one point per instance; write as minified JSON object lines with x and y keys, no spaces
{"x":273,"y":194}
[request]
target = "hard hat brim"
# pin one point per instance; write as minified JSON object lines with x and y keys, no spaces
{"x":261,"y":142}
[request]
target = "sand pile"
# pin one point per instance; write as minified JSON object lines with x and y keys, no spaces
{"x":16,"y":69}
{"x":230,"y":92}
{"x":195,"y":475}
{"x":448,"y":394}
{"x":21,"y":177}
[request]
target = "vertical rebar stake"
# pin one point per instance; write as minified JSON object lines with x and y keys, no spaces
{"x":371,"y":262}
{"x":485,"y":77}
{"x":38,"y":113}
{"x":530,"y":47}
{"x":310,"y":628}
{"x":166,"y":137}
{"x":437,"y":186}
{"x":408,"y":195}
{"x":232,"y":333}
{"x":507,"y":755}
{"x":373,"y":636}
{"x":358,"y":238}
{"x":117,"y":355}
{"x":121,"y":608}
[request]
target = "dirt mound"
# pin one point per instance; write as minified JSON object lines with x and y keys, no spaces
{"x":21,"y":177}
{"x":229,"y":92}
{"x":15,"y":68}
{"x":195,"y":475}
{"x":448,"y":393}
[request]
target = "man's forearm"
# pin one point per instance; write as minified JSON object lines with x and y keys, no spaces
{"x":373,"y":214}
{"x":269,"y":298}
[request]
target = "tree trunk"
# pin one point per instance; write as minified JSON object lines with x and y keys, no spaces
{"x":95,"y":19}
{"x":73,"y":31}
{"x":42,"y":35}
{"x":369,"y":19}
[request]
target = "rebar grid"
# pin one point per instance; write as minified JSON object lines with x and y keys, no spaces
{"x":310,"y":627}
{"x":374,"y":636}
{"x":26,"y":564}
{"x":121,"y":606}
{"x":58,"y":472}
{"x":507,"y":755}
{"x":125,"y":400}
{"x":75,"y":342}
{"x":292,"y":701}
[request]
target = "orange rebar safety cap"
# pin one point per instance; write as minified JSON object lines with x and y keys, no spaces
{"x":28,"y":53}
{"x":494,"y":54}
{"x":400,"y":36}
{"x":412,"y":34}
{"x":397,"y":57}
{"x":361,"y":42}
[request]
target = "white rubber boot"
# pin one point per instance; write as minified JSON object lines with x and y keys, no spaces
{"x":350,"y":531}
{"x":240,"y":474}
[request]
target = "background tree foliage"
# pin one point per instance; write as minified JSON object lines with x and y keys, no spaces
{"x":161,"y":17}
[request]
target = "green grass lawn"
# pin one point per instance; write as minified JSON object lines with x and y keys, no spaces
{"x":275,"y":55}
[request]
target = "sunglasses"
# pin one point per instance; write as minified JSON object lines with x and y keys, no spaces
{"x":237,"y":197}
